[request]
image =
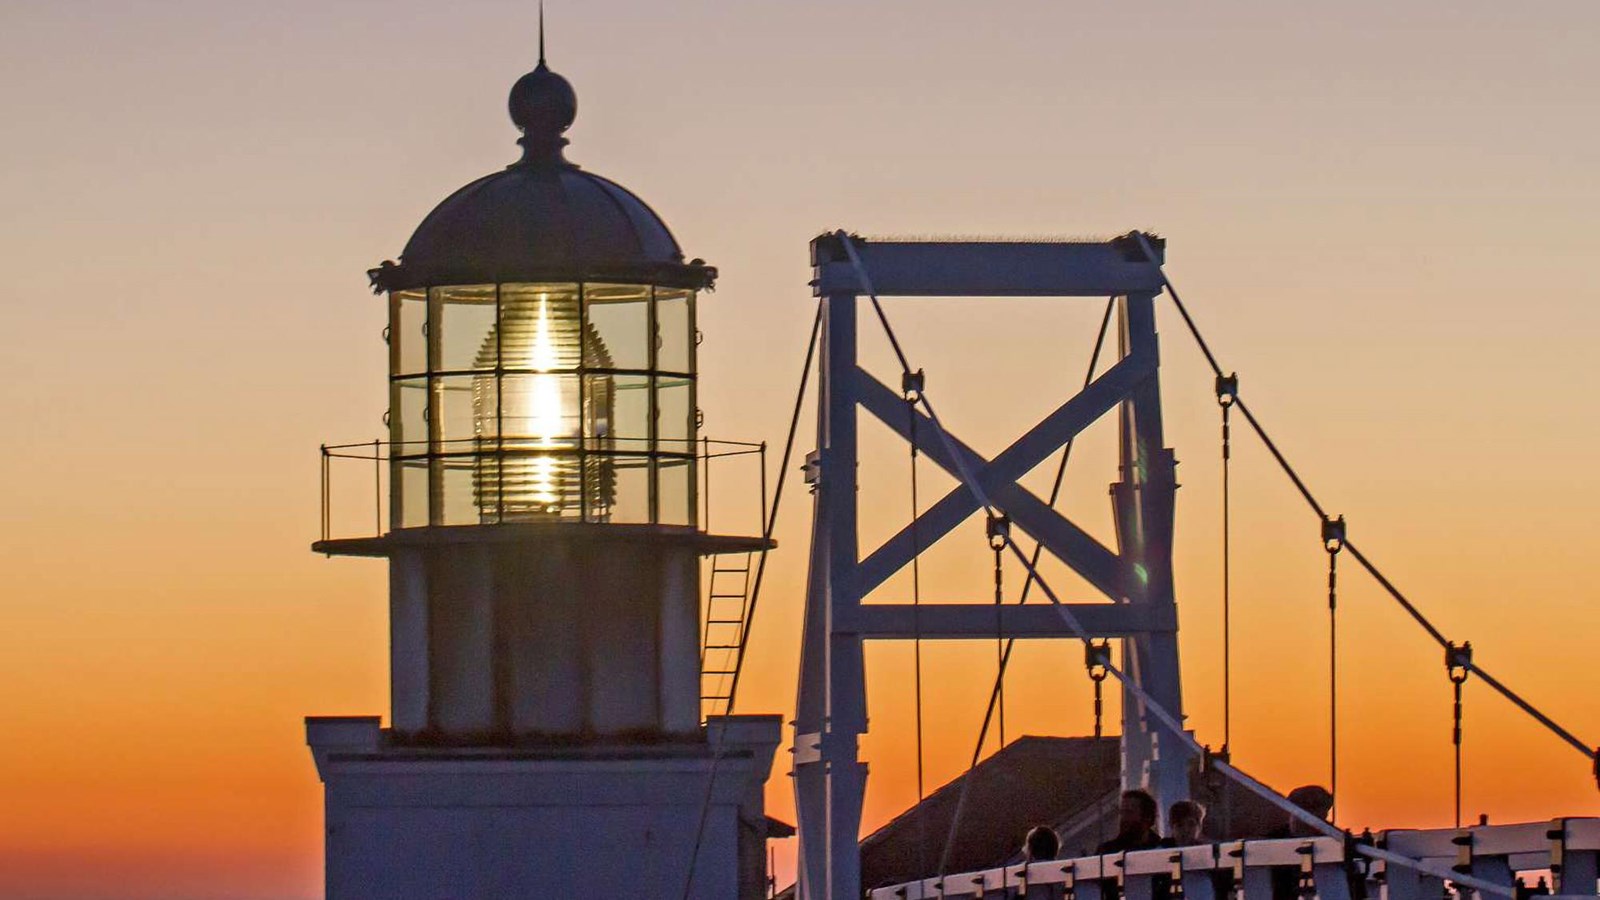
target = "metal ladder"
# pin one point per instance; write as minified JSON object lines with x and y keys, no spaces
{"x":727,"y":605}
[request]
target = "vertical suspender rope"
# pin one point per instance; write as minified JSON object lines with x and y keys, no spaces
{"x":1458,"y":665}
{"x":911,"y":387}
{"x":1097,"y":657}
{"x":916,"y":594}
{"x":1227,"y":389}
{"x":1333,"y":542}
{"x":999,"y":533}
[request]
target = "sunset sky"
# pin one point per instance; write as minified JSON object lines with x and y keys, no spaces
{"x":1382,"y":215}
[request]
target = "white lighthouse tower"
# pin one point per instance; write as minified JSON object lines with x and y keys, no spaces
{"x":544,"y":550}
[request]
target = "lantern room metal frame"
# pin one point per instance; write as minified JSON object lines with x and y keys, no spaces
{"x":830,"y":778}
{"x":658,"y":442}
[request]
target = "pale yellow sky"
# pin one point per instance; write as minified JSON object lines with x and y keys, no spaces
{"x":1381,"y":217}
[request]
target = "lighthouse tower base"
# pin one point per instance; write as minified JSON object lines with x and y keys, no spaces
{"x":408,"y":822}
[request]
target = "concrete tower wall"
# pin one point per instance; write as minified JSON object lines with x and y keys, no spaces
{"x":567,"y":635}
{"x":608,"y":820}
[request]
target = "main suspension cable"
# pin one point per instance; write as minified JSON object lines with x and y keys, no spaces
{"x":1586,"y":749}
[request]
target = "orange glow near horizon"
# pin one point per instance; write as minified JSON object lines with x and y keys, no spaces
{"x":1392,"y":247}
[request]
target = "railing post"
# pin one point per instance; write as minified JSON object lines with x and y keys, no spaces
{"x":763,"y":523}
{"x":705,"y":444}
{"x":377,"y":492}
{"x":324,"y":491}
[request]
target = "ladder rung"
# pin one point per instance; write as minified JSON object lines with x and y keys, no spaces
{"x":730,"y":571}
{"x":727,"y":596}
{"x":722,"y":646}
{"x":716,"y":671}
{"x":724,"y":621}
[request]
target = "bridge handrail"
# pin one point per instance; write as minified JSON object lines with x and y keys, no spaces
{"x":1528,"y":846}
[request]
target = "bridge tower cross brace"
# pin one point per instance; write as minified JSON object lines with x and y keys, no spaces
{"x":831,"y":714}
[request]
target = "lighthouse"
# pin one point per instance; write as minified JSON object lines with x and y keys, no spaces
{"x":540,"y":514}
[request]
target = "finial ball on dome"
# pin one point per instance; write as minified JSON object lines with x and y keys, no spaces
{"x":543,"y":104}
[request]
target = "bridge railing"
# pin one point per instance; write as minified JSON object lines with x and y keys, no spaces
{"x":1321,"y":867}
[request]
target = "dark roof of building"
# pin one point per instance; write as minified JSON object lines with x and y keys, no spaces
{"x":1033,"y":780}
{"x":543,"y":218}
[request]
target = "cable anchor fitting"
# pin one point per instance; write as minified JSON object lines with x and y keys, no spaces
{"x":1227,"y":389}
{"x":999,"y":529}
{"x":1333,"y":534}
{"x":1097,"y":658}
{"x":911,"y":385}
{"x":1458,"y":661}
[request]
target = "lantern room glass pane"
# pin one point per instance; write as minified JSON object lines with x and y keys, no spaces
{"x":408,"y":333}
{"x":408,"y":425}
{"x":674,"y":331}
{"x":619,"y":319}
{"x":627,"y":426}
{"x":529,"y":482}
{"x":466,"y":327}
{"x":413,"y":475}
{"x":466,"y":411}
{"x":600,"y":481}
{"x":539,"y":410}
{"x":540,"y":432}
{"x":674,"y":417}
{"x":461,"y":503}
{"x":486,"y":487}
{"x":631,"y":475}
{"x":540,"y":327}
{"x":674,"y":480}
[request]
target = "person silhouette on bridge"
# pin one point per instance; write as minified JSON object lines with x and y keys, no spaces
{"x":1136,"y":824}
{"x":1318,"y":801}
{"x":1184,"y":820}
{"x":1314,"y":799}
{"x":1042,"y":843}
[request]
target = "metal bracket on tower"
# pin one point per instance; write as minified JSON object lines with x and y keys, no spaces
{"x":812,"y":468}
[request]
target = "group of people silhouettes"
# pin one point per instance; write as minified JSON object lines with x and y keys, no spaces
{"x":1138,"y":819}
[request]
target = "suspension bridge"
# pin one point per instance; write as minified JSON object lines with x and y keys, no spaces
{"x":1157,"y":752}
